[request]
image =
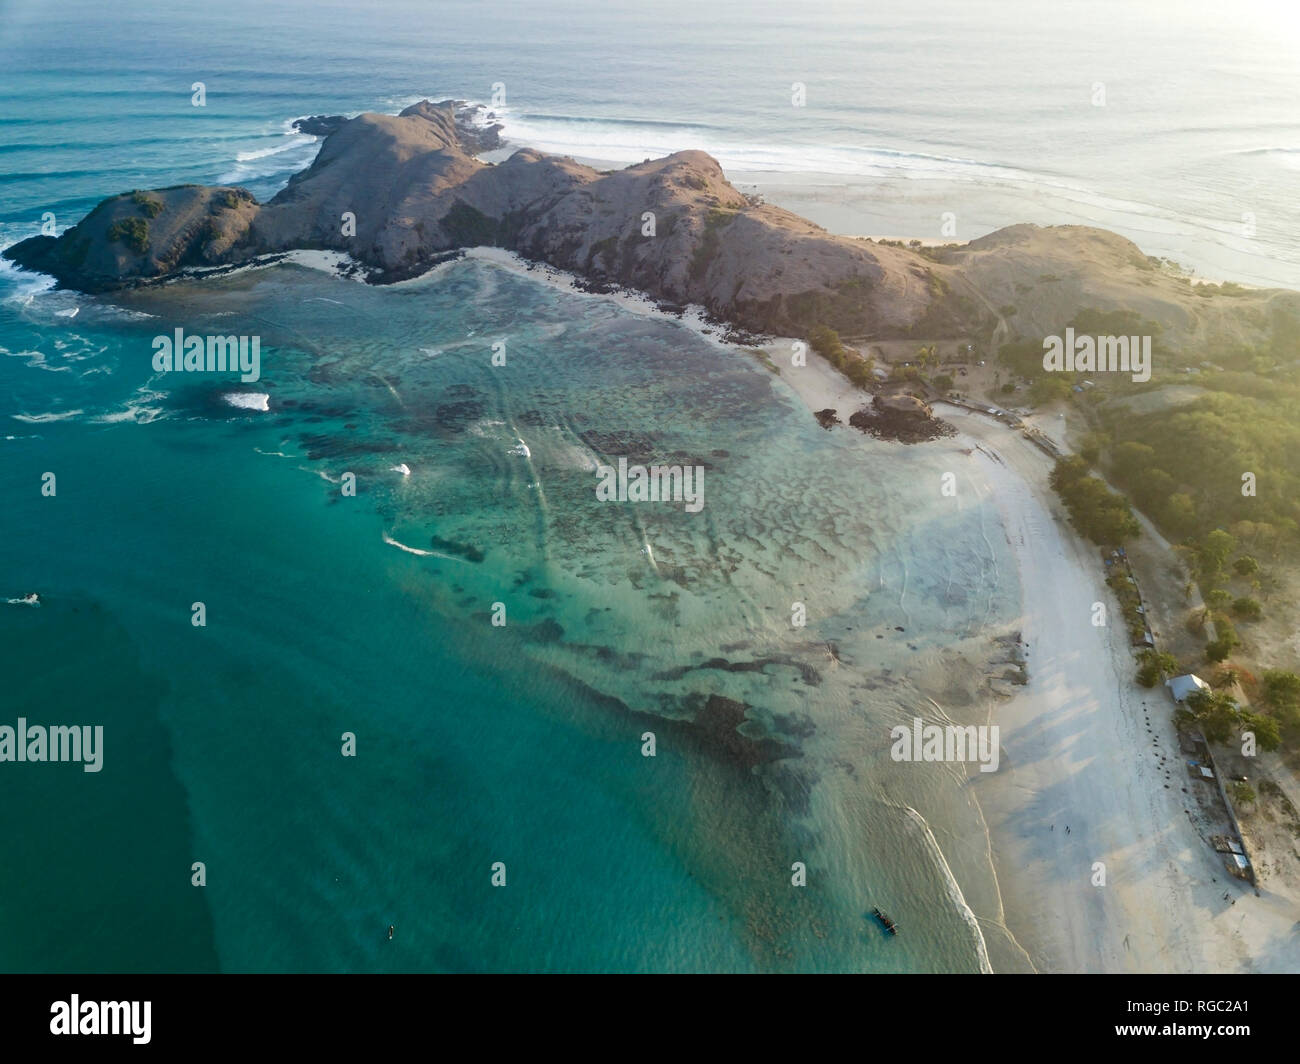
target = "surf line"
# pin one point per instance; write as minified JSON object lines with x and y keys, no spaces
{"x":416,"y":550}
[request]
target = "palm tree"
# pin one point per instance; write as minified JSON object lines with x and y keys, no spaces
{"x":1226,"y":677}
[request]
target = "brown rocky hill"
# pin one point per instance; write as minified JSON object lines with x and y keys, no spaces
{"x":1039,"y":278}
{"x":397,"y":193}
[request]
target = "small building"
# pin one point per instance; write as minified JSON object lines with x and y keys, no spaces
{"x":1182,"y":686}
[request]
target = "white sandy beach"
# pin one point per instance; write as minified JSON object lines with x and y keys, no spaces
{"x":1078,"y":754}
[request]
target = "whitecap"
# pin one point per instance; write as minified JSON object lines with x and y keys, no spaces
{"x":409,"y":550}
{"x":41,"y":419}
{"x":248,"y":400}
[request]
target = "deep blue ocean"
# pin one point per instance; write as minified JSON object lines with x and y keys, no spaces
{"x":329,"y":613}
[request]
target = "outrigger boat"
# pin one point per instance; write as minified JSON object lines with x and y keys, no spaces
{"x":885,"y":922}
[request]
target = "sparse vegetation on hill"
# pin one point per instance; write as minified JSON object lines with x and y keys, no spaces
{"x":133,"y":232}
{"x":151,"y":205}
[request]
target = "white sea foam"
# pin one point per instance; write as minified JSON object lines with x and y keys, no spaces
{"x":289,"y":155}
{"x":333,"y":262}
{"x":140,"y":414}
{"x":248,"y":400}
{"x":142,"y":408}
{"x":262,"y":153}
{"x":41,"y":419}
{"x":411,"y":550}
{"x":26,"y":285}
{"x":35,"y":359}
{"x":625,"y":141}
{"x":954,"y":890}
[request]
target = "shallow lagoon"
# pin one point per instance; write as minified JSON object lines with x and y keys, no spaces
{"x":477,"y":743}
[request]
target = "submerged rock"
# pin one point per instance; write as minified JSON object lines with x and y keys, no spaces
{"x":318,"y":125}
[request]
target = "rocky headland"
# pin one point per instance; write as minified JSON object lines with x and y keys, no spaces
{"x":398,"y":193}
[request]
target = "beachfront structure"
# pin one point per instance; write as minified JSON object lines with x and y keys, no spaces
{"x":1182,"y":686}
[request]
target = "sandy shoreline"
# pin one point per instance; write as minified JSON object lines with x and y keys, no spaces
{"x":1082,"y":746}
{"x":1078,"y":755}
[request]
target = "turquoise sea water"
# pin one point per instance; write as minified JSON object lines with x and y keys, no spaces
{"x":372,"y":614}
{"x":475,"y":744}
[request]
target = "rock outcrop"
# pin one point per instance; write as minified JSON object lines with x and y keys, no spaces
{"x":143,"y":236}
{"x":900,"y":417}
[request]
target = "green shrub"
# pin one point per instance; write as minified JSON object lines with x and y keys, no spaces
{"x":1267,"y":735}
{"x":1153,"y":667}
{"x":151,"y":205}
{"x":1247,"y":608}
{"x":826,"y":342}
{"x":1100,"y":514}
{"x":1218,"y":649}
{"x":134,"y":232}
